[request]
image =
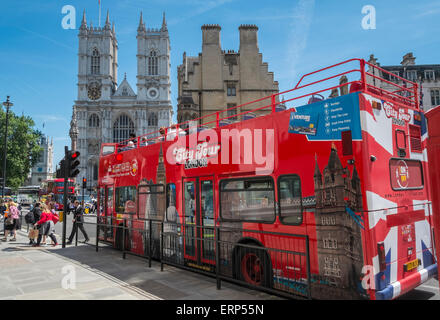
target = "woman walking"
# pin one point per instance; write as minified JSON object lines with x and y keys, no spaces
{"x":46,"y":224}
{"x":12,"y":221}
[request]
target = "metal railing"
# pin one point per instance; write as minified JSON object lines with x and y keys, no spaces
{"x":359,"y":75}
{"x":281,"y":267}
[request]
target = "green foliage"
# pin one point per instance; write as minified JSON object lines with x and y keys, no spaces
{"x":22,"y":145}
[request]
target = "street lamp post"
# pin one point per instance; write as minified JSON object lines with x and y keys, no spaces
{"x":7,"y":104}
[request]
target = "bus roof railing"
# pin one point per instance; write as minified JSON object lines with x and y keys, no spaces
{"x":406,"y":95}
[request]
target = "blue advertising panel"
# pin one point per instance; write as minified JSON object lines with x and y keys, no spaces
{"x":325,"y":120}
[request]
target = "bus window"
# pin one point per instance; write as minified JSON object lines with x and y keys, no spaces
{"x":125,"y":199}
{"x":190,"y":203}
{"x":207,"y":203}
{"x":171,"y":203}
{"x":151,"y":201}
{"x":250,"y":200}
{"x":109,"y":201}
{"x":289,"y":194}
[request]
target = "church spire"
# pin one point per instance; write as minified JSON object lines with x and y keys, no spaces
{"x":84,"y":21}
{"x":141,"y":24}
{"x":164,"y":23}
{"x":107,"y":22}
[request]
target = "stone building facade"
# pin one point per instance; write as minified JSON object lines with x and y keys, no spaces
{"x":43,"y":169}
{"x":216,"y":79}
{"x":107,"y":112}
{"x":427,"y":76}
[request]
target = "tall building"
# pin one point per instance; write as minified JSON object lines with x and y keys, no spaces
{"x":43,"y":168}
{"x":106,"y":111}
{"x":427,"y":76}
{"x":217,"y":80}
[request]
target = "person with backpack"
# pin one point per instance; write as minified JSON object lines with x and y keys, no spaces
{"x":35,"y":216}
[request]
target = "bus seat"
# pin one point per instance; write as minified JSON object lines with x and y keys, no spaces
{"x":224,"y":122}
{"x":280,"y":107}
{"x":249,"y":115}
{"x":315,"y":98}
{"x":355,"y":86}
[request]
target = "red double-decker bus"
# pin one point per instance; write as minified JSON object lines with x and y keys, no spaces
{"x":56,"y":188}
{"x":324,"y":197}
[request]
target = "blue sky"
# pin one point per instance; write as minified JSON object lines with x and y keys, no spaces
{"x":39,"y":61}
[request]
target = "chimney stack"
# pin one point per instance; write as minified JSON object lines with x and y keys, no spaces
{"x":248,"y":36}
{"x":211,"y":34}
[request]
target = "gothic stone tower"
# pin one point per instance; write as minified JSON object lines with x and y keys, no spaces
{"x":108,"y":112}
{"x":154,"y":70}
{"x":338,"y":234}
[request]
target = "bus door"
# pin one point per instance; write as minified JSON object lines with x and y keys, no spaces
{"x":108,"y":214}
{"x":198,"y":199}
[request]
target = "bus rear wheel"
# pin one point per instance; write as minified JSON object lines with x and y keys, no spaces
{"x":252,"y":266}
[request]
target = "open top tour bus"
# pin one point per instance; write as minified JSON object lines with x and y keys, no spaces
{"x":296,"y":193}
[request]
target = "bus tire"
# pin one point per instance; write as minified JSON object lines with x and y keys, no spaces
{"x":253,"y":266}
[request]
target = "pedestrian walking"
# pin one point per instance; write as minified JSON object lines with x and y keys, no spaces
{"x":36,"y":211}
{"x":3,"y":214}
{"x":47,"y":226}
{"x":78,"y":220}
{"x":12,"y":221}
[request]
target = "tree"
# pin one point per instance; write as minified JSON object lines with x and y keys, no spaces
{"x":22,"y":145}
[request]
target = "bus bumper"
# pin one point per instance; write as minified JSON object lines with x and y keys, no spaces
{"x":403,"y":286}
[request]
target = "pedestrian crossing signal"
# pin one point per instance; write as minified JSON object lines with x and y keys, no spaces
{"x":84,"y":183}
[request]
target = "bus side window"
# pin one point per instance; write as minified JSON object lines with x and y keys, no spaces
{"x":125,"y":199}
{"x":171,"y":211}
{"x":289,"y":194}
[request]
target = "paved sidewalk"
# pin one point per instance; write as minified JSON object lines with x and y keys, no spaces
{"x":37,"y":273}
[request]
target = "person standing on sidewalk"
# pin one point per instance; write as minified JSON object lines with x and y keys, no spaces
{"x":13,"y":217}
{"x":3,"y":214}
{"x":78,"y":220}
{"x":47,"y":227}
{"x":37,"y":216}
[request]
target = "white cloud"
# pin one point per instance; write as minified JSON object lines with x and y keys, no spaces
{"x":298,"y":36}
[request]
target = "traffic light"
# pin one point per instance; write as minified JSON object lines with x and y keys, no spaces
{"x":84,"y":183}
{"x":73,"y":163}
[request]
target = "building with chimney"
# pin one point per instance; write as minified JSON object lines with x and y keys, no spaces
{"x":216,"y":79}
{"x":427,"y":76}
{"x":43,"y":168}
{"x":109,"y":111}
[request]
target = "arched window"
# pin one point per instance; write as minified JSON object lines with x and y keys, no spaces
{"x":94,"y":121}
{"x":122,"y":128}
{"x":153,"y":69}
{"x":95,"y":61}
{"x":152,"y":120}
{"x":95,"y":171}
